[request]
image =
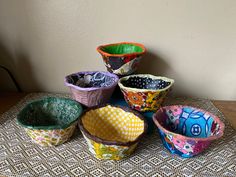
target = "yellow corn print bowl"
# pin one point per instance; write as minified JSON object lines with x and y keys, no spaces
{"x":112,"y":132}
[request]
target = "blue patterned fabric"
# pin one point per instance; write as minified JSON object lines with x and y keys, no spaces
{"x":194,"y":123}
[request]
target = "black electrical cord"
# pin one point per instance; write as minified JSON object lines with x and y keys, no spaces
{"x":12,"y":77}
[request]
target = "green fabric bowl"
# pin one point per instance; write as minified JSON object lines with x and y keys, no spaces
{"x":49,"y":113}
{"x":122,"y":58}
{"x":123,"y":48}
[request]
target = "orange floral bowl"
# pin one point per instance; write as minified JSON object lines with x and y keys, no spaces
{"x":145,"y":92}
{"x":122,"y":58}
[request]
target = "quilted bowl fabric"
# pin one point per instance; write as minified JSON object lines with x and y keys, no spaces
{"x":112,"y":132}
{"x":187,"y":131}
{"x":91,"y":88}
{"x":145,"y":92}
{"x":50,"y":121}
{"x":122,"y":58}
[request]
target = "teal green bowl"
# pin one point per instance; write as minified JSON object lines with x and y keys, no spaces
{"x":50,"y":121}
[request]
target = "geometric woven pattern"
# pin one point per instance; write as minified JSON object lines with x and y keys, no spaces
{"x":20,"y":157}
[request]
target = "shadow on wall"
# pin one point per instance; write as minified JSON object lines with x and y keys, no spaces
{"x":20,"y":68}
{"x":25,"y":72}
{"x":153,"y":64}
{"x":156,"y":65}
{"x":7,"y":76}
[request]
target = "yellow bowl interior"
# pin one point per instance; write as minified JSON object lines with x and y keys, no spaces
{"x":113,"y":124}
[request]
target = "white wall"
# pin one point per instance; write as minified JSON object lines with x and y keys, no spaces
{"x":191,"y":41}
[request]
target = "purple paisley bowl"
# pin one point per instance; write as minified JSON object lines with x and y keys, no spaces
{"x":91,"y":88}
{"x":187,"y":131}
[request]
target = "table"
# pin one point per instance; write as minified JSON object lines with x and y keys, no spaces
{"x":19,"y":156}
{"x":228,"y":108}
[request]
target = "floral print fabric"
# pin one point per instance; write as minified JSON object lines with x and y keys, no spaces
{"x":145,"y":101}
{"x":51,"y":137}
{"x":184,"y":148}
{"x":109,"y":152}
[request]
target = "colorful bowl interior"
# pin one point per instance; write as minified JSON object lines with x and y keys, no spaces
{"x":113,"y":124}
{"x":140,"y":82}
{"x":50,"y":113}
{"x":189,"y":121}
{"x":122,"y":48}
{"x":92,"y":79}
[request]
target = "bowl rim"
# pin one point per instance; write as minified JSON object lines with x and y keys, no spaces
{"x":99,"y":49}
{"x":142,"y":76}
{"x":46,"y":127}
{"x":210,"y":138}
{"x":107,"y":142}
{"x":91,"y":88}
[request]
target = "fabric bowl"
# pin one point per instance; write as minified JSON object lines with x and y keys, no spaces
{"x":187,"y":131}
{"x":145,"y":92}
{"x":92,"y":88}
{"x":122,"y":58}
{"x":147,"y":115}
{"x":50,"y":121}
{"x":112,"y":132}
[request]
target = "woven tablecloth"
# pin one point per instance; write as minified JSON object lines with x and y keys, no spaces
{"x":20,"y":157}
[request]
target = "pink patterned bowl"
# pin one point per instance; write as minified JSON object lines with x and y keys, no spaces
{"x":187,"y":131}
{"x":91,"y":88}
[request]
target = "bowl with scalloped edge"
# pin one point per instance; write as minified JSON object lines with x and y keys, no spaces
{"x":187,"y":131}
{"x":50,"y":121}
{"x":122,"y":58}
{"x":145,"y":92}
{"x":91,"y":88}
{"x":112,"y":132}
